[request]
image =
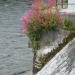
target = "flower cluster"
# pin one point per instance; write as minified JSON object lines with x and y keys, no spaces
{"x":25,"y":18}
{"x":37,"y":9}
{"x":34,"y":9}
{"x":42,"y":17}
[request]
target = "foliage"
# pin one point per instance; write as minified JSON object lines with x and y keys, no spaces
{"x":68,"y":24}
{"x":40,"y":18}
{"x":38,"y":25}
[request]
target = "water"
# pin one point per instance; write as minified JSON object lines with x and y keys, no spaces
{"x":15,"y":56}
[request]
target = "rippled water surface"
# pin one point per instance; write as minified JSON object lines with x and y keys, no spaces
{"x":15,"y":56}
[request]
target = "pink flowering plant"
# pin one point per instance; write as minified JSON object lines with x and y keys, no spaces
{"x":41,"y":17}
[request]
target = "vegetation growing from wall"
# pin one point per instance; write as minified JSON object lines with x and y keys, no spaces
{"x":68,"y":24}
{"x":43,"y":18}
{"x":44,"y":59}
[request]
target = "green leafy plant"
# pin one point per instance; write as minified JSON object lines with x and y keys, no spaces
{"x":38,"y":25}
{"x":43,"y":18}
{"x":68,"y":24}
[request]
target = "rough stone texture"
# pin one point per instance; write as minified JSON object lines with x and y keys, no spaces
{"x":51,"y":40}
{"x":63,"y":63}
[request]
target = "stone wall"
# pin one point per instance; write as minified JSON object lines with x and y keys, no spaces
{"x":48,"y":43}
{"x":63,"y":63}
{"x":51,"y":40}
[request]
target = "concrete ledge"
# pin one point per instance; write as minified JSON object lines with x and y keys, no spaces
{"x":67,"y":11}
{"x":62,"y":63}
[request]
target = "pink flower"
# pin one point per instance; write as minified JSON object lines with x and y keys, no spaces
{"x":57,"y":15}
{"x":35,"y":4}
{"x":34,"y":9}
{"x":60,"y":1}
{"x":51,"y":2}
{"x":49,"y":12}
{"x":25,"y":17}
